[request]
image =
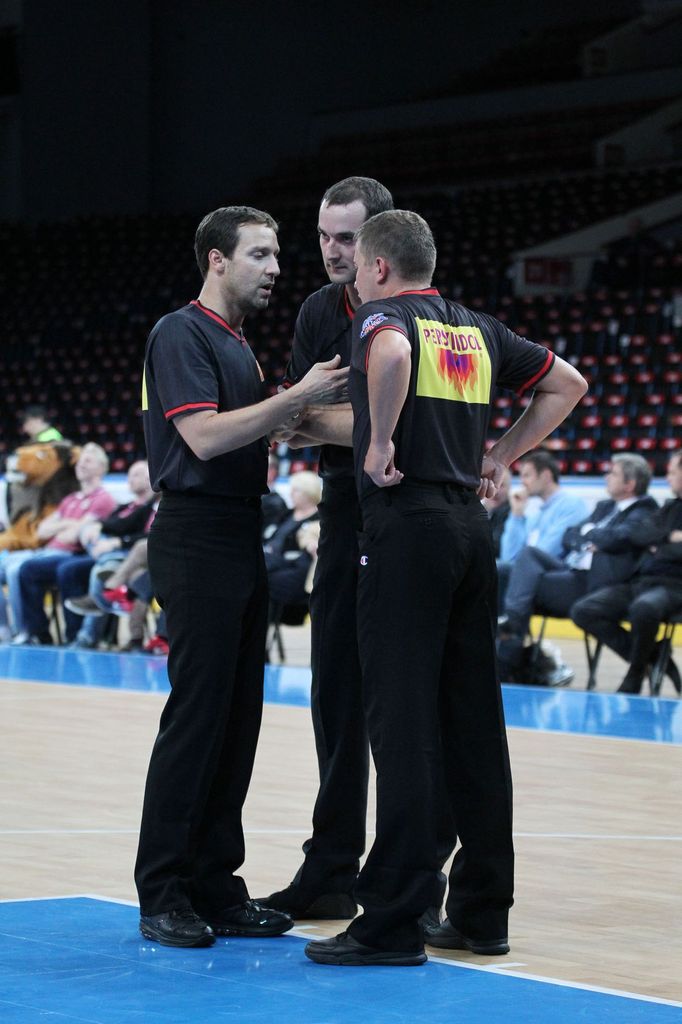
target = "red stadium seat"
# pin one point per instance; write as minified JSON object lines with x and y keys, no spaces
{"x":621,"y":444}
{"x":645,"y":444}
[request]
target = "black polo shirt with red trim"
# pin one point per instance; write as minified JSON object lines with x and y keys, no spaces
{"x":194,"y":361}
{"x":323,"y":330}
{"x":459,"y":357}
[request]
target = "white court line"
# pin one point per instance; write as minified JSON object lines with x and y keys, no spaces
{"x":590,"y":836}
{"x":303,"y":933}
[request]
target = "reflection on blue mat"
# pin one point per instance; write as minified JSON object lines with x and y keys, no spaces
{"x":530,"y":707}
{"x":82,"y":960}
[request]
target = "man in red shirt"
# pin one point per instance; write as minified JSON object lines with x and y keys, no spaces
{"x":60,"y":531}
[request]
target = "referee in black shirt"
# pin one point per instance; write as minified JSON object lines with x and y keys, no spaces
{"x":206,"y":419}
{"x":423,"y":371}
{"x":323,"y":885}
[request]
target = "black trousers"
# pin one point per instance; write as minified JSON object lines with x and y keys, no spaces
{"x":339,"y":816}
{"x":207,"y":567}
{"x":645,"y":601}
{"x":427,"y":613}
{"x":540,"y":580}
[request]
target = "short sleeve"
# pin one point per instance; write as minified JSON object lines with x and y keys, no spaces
{"x":302,"y":346}
{"x":522,"y":363}
{"x":369,"y":321}
{"x":183,"y":368}
{"x":103,"y":504}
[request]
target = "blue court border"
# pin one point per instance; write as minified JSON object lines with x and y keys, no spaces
{"x":615,"y":715}
{"x":81,"y":960}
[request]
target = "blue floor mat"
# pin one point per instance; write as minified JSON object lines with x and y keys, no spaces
{"x":82,"y":961}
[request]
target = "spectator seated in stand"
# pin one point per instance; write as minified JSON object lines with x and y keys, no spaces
{"x":59,"y":533}
{"x":109,"y":544}
{"x":597,"y":551}
{"x":287,"y":563}
{"x":125,"y":590}
{"x":98,"y":536}
{"x":652,"y":595}
{"x":47,"y":473}
{"x":34,"y":423}
{"x":542,"y":526}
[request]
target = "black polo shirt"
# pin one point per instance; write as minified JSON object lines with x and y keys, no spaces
{"x":194,"y":360}
{"x":458,"y":358}
{"x":323,"y":330}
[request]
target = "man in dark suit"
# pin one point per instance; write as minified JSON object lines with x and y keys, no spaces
{"x":598,"y":551}
{"x":650,"y":596}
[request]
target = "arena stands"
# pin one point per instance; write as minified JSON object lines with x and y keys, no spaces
{"x":80,"y":303}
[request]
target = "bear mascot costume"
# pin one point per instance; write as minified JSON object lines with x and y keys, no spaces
{"x":45,"y":473}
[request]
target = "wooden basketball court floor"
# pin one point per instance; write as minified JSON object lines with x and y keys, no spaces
{"x":596,"y":932}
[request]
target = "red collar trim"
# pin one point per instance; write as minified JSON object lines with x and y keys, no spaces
{"x":349,"y":309}
{"x":218,"y":319}
{"x":420,"y":291}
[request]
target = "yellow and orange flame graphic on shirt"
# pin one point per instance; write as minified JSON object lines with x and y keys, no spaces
{"x":453,"y":363}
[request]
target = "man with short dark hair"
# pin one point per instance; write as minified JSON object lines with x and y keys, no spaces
{"x":651,"y":595}
{"x":423,"y":372}
{"x":323,"y":885}
{"x":206,"y":421}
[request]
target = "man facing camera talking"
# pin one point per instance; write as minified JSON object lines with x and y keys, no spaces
{"x":206,"y":421}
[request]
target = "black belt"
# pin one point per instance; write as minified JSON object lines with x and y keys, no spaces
{"x":177,"y":498}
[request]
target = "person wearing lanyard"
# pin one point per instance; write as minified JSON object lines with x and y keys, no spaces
{"x":423,"y":372}
{"x":206,"y":421}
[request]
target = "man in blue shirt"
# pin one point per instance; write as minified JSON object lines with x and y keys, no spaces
{"x":545,"y":527}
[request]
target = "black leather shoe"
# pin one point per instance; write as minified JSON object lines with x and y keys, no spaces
{"x":345,"y":951}
{"x":446,"y":936}
{"x":177,"y":928}
{"x":328,"y":906}
{"x":251,"y":919}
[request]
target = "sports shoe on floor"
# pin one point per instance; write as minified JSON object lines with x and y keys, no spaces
{"x":250,"y":919}
{"x":345,"y":951}
{"x":562,"y":675}
{"x":25,"y":639}
{"x":118,"y":600}
{"x":156,"y":645}
{"x":83,"y":606}
{"x":328,"y":906}
{"x":446,"y":936}
{"x":177,"y":928}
